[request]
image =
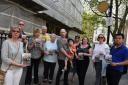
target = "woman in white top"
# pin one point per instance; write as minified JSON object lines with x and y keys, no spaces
{"x":100,"y":51}
{"x":11,"y":54}
{"x":50,"y":58}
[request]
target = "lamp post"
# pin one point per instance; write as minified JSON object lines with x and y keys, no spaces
{"x":110,"y":15}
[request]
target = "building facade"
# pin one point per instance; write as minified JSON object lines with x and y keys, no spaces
{"x":55,"y":14}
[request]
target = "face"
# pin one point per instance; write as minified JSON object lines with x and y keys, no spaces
{"x":15,"y":33}
{"x":85,"y":41}
{"x":77,"y":39}
{"x":37,"y":34}
{"x":118,"y":40}
{"x":101,"y":38}
{"x":63,"y":34}
{"x":21,"y":25}
{"x":44,"y":31}
{"x":70,"y":42}
{"x":53,"y":37}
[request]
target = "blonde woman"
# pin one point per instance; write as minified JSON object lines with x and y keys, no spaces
{"x":35,"y":47}
{"x":99,"y":53}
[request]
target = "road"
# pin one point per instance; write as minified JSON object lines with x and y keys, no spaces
{"x":89,"y":80}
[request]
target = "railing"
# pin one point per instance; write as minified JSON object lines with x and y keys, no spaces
{"x":3,"y":36}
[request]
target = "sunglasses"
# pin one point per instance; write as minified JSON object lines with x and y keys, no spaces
{"x":100,"y":37}
{"x":21,"y":24}
{"x":15,"y":31}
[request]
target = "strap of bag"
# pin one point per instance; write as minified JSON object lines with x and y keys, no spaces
{"x":26,"y":46}
{"x":14,"y":57}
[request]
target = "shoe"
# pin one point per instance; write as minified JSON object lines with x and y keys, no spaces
{"x":45,"y":80}
{"x":49,"y":81}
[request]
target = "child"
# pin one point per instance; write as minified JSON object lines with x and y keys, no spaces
{"x":71,"y":51}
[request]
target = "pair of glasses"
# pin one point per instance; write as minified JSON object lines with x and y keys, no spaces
{"x":100,"y":37}
{"x":21,"y":24}
{"x":15,"y":31}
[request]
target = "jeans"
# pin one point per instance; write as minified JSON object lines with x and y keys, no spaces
{"x":13,"y":77}
{"x":61,"y":64}
{"x":35,"y":64}
{"x":82,"y":66}
{"x":49,"y":70}
{"x":98,"y":68}
{"x":113,"y":76}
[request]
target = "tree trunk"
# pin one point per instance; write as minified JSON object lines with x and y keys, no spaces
{"x":116,"y":17}
{"x":122,"y":23}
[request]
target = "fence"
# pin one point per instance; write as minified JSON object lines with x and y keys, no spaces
{"x":3,"y":36}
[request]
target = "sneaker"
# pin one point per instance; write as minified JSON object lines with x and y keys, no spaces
{"x":45,"y":80}
{"x":49,"y":81}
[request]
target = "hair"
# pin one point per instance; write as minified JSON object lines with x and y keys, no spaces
{"x":87,"y":40}
{"x":44,"y":27}
{"x":70,"y":40}
{"x":119,"y":34}
{"x":77,"y":36}
{"x":11,"y":29}
{"x":52,"y":34}
{"x":36,"y":31}
{"x":103,"y":37}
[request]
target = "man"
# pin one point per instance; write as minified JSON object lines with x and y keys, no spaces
{"x":62,"y":47}
{"x":21,"y":27}
{"x":119,"y":54}
{"x":45,"y":36}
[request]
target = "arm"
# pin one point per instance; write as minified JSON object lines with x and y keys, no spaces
{"x":5,"y":53}
{"x":125,"y":62}
{"x":60,"y":47}
{"x":88,"y":54}
{"x":120,"y":63}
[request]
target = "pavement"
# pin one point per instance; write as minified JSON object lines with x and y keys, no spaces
{"x":89,"y":79}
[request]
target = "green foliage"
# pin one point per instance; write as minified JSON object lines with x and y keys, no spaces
{"x":90,"y":21}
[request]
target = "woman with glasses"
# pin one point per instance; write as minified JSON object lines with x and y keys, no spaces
{"x":11,"y":54}
{"x":100,"y":51}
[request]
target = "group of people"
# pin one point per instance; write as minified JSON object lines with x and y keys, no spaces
{"x":109,"y":62}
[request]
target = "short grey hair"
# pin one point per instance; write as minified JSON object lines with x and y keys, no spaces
{"x":44,"y":27}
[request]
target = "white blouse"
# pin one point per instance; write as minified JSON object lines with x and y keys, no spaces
{"x":100,"y":51}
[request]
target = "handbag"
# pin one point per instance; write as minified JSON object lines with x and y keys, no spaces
{"x":26,"y":57}
{"x":3,"y":73}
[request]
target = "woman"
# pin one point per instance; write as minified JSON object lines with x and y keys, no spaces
{"x":100,"y":51}
{"x":11,"y":54}
{"x":76,"y":43}
{"x":35,"y":47}
{"x":84,"y":51}
{"x":50,"y":58}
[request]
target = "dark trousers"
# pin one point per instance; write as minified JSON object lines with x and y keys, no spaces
{"x":98,"y":68}
{"x":113,"y":76}
{"x":61,"y":64}
{"x":35,"y":64}
{"x":49,"y":70}
{"x":81,"y":68}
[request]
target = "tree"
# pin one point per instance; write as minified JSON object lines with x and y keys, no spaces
{"x":90,"y":21}
{"x":118,"y":15}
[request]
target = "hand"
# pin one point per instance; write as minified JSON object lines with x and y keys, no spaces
{"x":70,"y":57}
{"x":46,"y":52}
{"x":85,"y":54}
{"x":22,"y":65}
{"x":80,"y":54}
{"x":114,"y":64}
